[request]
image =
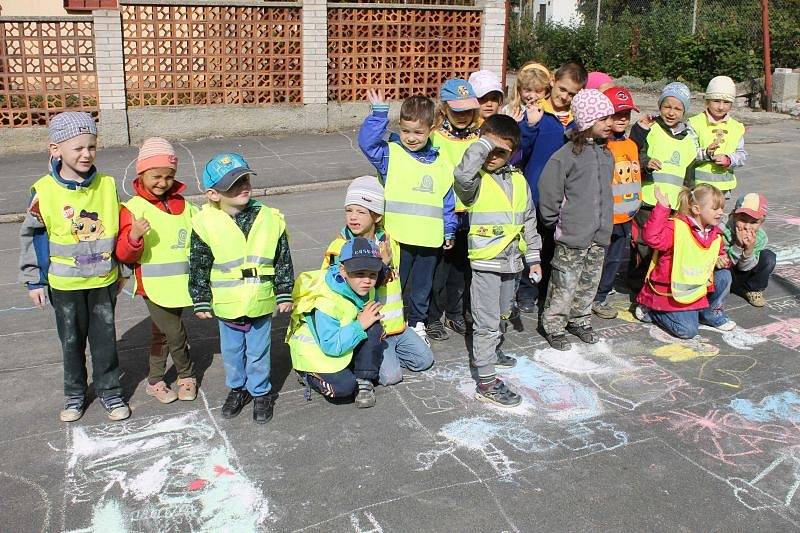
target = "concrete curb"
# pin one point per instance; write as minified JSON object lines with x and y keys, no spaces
{"x":11,"y":218}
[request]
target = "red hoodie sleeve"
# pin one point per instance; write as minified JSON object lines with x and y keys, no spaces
{"x":659,"y":230}
{"x":127,"y":251}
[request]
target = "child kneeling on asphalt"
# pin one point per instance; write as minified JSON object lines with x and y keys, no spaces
{"x":502,"y":231}
{"x":335,"y":335}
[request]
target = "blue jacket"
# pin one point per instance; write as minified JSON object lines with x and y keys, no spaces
{"x":538,"y":144}
{"x":376,"y":150}
{"x":334,"y":339}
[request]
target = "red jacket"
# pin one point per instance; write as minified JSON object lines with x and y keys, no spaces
{"x":130,"y":252}
{"x":659,"y":234}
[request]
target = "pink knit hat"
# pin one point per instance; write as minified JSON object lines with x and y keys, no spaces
{"x":596,"y":79}
{"x":156,"y":153}
{"x":589,"y":106}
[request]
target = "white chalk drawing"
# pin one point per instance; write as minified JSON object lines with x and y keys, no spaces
{"x":48,"y":506}
{"x":166,"y":474}
{"x":775,"y":486}
{"x":739,"y":338}
{"x":355,"y":521}
{"x":583,"y":359}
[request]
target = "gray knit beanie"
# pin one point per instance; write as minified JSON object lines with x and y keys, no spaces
{"x":367,"y":192}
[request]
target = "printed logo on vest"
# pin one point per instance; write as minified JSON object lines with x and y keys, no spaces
{"x":675,"y":159}
{"x":425,"y":184}
{"x":182,"y":240}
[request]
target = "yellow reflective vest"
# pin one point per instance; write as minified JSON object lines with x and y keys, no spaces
{"x":452,"y":151}
{"x":692,"y":265}
{"x":728,"y":134}
{"x":82,"y":225}
{"x":675,"y":155}
{"x":165,"y":258}
{"x":495,"y":220}
{"x":243,"y":270}
{"x":414,"y":195}
{"x":389,"y":294}
{"x":312,"y":292}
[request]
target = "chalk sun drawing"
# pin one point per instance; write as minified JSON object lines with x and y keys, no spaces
{"x":168,"y":474}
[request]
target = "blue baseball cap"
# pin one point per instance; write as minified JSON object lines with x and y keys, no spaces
{"x":361,"y":254}
{"x":459,"y":95}
{"x":223,"y":170}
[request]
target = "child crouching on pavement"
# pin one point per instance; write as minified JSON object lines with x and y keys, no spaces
{"x":154,"y":229}
{"x":502,"y":231}
{"x":241,"y":269}
{"x":363,"y":215}
{"x":682,"y":289}
{"x":335,"y":335}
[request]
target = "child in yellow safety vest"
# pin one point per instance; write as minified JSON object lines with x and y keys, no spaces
{"x":363,"y":207}
{"x":502,"y":231}
{"x":455,"y":129}
{"x":154,"y":230}
{"x":688,"y":278}
{"x":240,"y":268}
{"x":420,"y":203}
{"x":67,"y":251}
{"x":335,"y":334}
{"x":720,"y":136}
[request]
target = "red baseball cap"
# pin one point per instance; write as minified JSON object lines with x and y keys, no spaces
{"x":753,"y":204}
{"x":621,"y":99}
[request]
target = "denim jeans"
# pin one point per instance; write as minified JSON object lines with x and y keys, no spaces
{"x":756,"y":279}
{"x":450,"y":282}
{"x":620,"y":239}
{"x":404,"y":350}
{"x":417,"y":267}
{"x":685,"y":324}
{"x":246,"y":355}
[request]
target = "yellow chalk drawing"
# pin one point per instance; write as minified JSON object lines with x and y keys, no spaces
{"x":678,"y":352}
{"x":726,"y":370}
{"x":623,"y":310}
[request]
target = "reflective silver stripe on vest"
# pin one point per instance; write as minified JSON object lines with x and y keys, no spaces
{"x":622,"y":189}
{"x":702,"y":175}
{"x":100,"y":268}
{"x":477,"y":241}
{"x":393,"y":298}
{"x":626,"y":206}
{"x":227,"y":266}
{"x":685,"y":288}
{"x":419,"y":210}
{"x":229,"y":283}
{"x":495,"y":219}
{"x":99,"y":246}
{"x":165,"y":269}
{"x":397,"y":313}
{"x":258,"y":260}
{"x":661,"y":177}
{"x":304,"y":338}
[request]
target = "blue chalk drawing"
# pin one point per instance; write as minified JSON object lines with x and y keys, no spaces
{"x":784,"y":406}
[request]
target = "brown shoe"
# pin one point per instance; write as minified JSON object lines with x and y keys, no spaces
{"x":161,"y":392}
{"x":755,"y":298}
{"x":187,"y":389}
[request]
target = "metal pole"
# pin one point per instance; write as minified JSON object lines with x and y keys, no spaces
{"x":597,"y":18}
{"x":694,"y":17}
{"x":767,"y":62}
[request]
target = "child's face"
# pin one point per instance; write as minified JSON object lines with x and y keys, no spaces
{"x":360,"y":220}
{"x":602,"y":128}
{"x":459,"y":119}
{"x":620,"y":121}
{"x":707,"y":213}
{"x":490,"y":103}
{"x":237,"y":197}
{"x":500,"y":155}
{"x":564,"y":90}
{"x":532,"y":94}
{"x":744,"y":221}
{"x":414,"y":134}
{"x":361,"y":281}
{"x":671,"y":111}
{"x":158,"y":181}
{"x":76,"y":154}
{"x":718,"y":108}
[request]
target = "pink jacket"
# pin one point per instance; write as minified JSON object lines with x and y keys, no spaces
{"x":659,"y":234}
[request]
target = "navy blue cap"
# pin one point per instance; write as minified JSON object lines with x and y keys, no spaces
{"x":361,"y":254}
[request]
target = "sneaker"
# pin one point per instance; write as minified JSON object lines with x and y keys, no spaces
{"x":73,"y":408}
{"x":604,"y":310}
{"x":115,"y":407}
{"x":235,"y":402}
{"x":584,"y":332}
{"x":187,"y":389}
{"x":558,"y":341}
{"x":419,"y":329}
{"x":459,"y":326}
{"x":642,"y":314}
{"x":435,"y":330}
{"x":498,"y":394}
{"x":365,"y":397}
{"x":528,"y":307}
{"x":730,"y":325}
{"x":755,"y":298}
{"x":503,"y":360}
{"x":262,"y":408}
{"x":514,"y":312}
{"x":161,"y":392}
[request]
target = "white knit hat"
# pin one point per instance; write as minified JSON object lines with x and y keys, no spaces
{"x":367,"y":192}
{"x":721,"y":88}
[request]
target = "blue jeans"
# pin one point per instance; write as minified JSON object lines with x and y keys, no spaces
{"x":620,"y":239}
{"x":417,"y":267}
{"x":404,"y":350}
{"x":757,"y":278}
{"x":245,"y":355}
{"x":685,"y":324}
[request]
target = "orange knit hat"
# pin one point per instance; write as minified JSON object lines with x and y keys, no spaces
{"x":156,"y":153}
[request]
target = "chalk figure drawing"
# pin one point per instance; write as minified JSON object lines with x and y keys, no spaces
{"x":159,"y":474}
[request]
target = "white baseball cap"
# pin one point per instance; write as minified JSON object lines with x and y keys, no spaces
{"x":485,"y":82}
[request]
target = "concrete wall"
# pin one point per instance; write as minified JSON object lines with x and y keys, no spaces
{"x":29,"y":8}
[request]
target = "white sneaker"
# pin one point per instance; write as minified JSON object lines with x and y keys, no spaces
{"x":730,"y":325}
{"x":642,"y":314}
{"x":419,"y":329}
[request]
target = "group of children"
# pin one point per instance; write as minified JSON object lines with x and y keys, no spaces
{"x":479,"y":211}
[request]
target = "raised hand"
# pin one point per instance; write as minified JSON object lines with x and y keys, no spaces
{"x":376,"y":96}
{"x":662,"y":198}
{"x":139,"y":227}
{"x":534,"y":114}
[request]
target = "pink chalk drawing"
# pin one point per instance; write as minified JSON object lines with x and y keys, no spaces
{"x":197,"y":484}
{"x":794,"y":221}
{"x":220,"y":470}
{"x":726,"y":436}
{"x":785,"y":332}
